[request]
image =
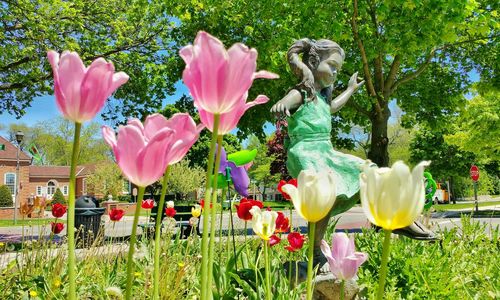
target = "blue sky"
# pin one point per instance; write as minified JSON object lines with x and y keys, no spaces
{"x":44,"y":108}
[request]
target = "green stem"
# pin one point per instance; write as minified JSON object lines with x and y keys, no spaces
{"x":312,"y":229}
{"x":159,"y":215}
{"x":131,"y":249}
{"x":212,"y":214}
{"x":71,"y":214}
{"x":220,"y":220}
{"x":342,"y":289}
{"x":383,"y":264}
{"x":206,"y":211}
{"x":268,"y":270}
{"x":290,"y":219}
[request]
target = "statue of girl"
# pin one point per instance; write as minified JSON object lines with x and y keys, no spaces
{"x":308,"y":107}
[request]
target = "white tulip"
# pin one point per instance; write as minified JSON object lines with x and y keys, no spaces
{"x":263,"y":222}
{"x":170,"y":204}
{"x":314,"y":195}
{"x":394,"y":197}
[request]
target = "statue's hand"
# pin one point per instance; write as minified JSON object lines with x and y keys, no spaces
{"x":281,"y":107}
{"x":354,"y":85}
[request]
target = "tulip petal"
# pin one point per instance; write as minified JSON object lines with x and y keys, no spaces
{"x":94,"y":89}
{"x":129,"y":143}
{"x":325,"y":249}
{"x":293,"y":192}
{"x":340,"y":245}
{"x":186,"y":54}
{"x":265,"y":74}
{"x":109,"y":136}
{"x":118,"y":80}
{"x":150,"y":161}
{"x":153,"y":124}
{"x":71,"y":73}
{"x":240,"y":179}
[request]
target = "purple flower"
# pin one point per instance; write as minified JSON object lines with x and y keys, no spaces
{"x":239,"y":175}
{"x":343,"y":260}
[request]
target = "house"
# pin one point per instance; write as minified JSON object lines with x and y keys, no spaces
{"x":34,"y":180}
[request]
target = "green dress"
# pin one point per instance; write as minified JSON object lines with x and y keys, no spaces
{"x":310,"y":147}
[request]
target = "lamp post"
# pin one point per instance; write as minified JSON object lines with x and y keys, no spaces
{"x":19,"y":139}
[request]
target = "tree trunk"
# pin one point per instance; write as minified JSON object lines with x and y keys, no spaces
{"x":379,"y":142}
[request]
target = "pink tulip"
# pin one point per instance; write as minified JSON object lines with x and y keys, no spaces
{"x":229,"y":120}
{"x":81,"y":92}
{"x":342,"y":258}
{"x":140,"y":151}
{"x":186,"y":133}
{"x":219,"y":79}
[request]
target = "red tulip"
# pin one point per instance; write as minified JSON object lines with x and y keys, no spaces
{"x":116,"y":214}
{"x":56,"y":227}
{"x":148,"y":204}
{"x":202,"y":203}
{"x":243,"y":209}
{"x":170,"y":211}
{"x":292,"y":181}
{"x":282,"y":223}
{"x":58,"y":210}
{"x":274,"y":240}
{"x":296,"y":241}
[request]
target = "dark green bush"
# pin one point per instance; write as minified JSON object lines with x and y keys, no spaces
{"x":58,"y":197}
{"x":5,"y":197}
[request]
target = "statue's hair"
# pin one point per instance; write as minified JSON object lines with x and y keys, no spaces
{"x":311,"y":58}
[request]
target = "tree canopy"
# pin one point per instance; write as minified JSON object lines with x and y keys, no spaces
{"x":134,"y":35}
{"x":54,"y":141}
{"x":391,"y":43}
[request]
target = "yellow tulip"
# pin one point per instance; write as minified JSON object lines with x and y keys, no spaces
{"x":196,"y":211}
{"x":263,"y":222}
{"x":394,"y":197}
{"x":33,"y":294}
{"x":315,"y":194}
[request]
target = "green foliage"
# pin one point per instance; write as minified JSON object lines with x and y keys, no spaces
{"x":134,"y":35}
{"x":5,"y":197}
{"x":260,"y":171}
{"x":391,"y":43}
{"x":183,"y":179}
{"x":446,"y":160}
{"x":58,"y":197}
{"x":478,"y":127}
{"x":54,"y":140}
{"x":105,"y":180}
{"x":463,"y":266}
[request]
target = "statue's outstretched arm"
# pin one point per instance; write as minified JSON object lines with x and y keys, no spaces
{"x":290,"y":102}
{"x":341,"y":99}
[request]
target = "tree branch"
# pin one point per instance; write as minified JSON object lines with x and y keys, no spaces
{"x":391,"y":77}
{"x":366,"y":69}
{"x":16,"y":63}
{"x":357,"y":107}
{"x":413,"y":75}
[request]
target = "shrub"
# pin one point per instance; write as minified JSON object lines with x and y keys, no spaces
{"x":58,"y":197}
{"x":5,"y":197}
{"x":125,"y":198}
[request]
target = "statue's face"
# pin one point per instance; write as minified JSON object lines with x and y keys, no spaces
{"x":326,"y":72}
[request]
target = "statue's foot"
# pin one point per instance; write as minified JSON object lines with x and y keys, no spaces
{"x":417,"y":231}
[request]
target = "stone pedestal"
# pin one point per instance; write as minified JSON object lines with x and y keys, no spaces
{"x":326,"y":287}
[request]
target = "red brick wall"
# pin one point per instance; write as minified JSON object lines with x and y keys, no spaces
{"x":10,"y":167}
{"x":39,"y":181}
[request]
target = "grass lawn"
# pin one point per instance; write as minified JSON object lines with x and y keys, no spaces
{"x":29,"y":222}
{"x":444,"y":207}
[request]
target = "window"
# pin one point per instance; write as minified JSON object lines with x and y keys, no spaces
{"x":10,"y":182}
{"x":65,"y":190}
{"x":51,"y":188}
{"x":126,"y":187}
{"x":84,"y":186}
{"x":39,"y":190}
